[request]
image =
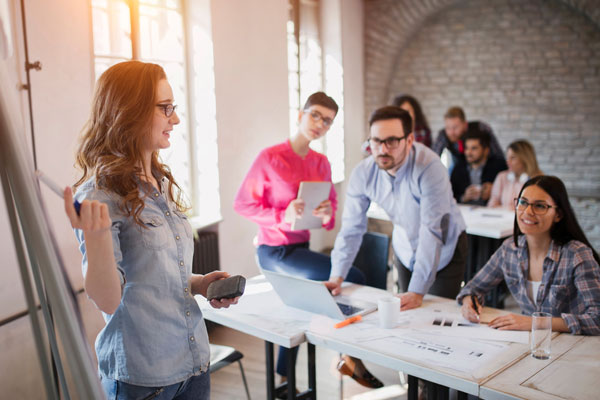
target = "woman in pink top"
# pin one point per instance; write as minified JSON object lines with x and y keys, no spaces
{"x":522,"y":165}
{"x":268,"y":196}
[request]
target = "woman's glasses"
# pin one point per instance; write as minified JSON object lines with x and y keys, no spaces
{"x":538,"y":207}
{"x":168,"y":109}
{"x":316,"y":116}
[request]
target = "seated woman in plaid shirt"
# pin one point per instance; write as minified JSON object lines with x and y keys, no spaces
{"x":548,"y":265}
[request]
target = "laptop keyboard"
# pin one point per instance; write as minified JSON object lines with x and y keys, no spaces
{"x":348,"y":309}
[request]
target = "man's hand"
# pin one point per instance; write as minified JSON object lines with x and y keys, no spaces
{"x":473,"y":192}
{"x":294,"y":210}
{"x":334,"y":284}
{"x":512,"y":322}
{"x":486,"y":191}
{"x":410,"y":300}
{"x":324,"y":211}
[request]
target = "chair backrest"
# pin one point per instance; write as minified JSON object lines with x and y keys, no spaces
{"x":372,"y":259}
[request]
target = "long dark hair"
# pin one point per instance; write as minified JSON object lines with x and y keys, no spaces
{"x":420,"y":120}
{"x":567,"y":228}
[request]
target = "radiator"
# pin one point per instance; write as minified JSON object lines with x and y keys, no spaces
{"x":206,"y":253}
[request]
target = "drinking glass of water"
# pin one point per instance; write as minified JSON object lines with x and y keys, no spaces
{"x":541,"y":334}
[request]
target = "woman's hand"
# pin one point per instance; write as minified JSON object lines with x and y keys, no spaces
{"x":468,"y":310}
{"x":512,"y":322}
{"x":93,"y":218}
{"x":294,"y":210}
{"x":102,"y":281}
{"x":324,"y":211}
{"x":199,"y":285}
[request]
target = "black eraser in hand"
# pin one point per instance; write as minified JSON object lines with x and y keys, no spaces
{"x":227,"y":288}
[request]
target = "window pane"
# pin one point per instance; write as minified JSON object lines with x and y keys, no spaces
{"x":161,"y":34}
{"x":111,"y":28}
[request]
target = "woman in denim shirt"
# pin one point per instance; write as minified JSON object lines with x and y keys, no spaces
{"x":137,"y":243}
{"x":548,"y":265}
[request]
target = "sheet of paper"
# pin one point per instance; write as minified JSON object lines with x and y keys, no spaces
{"x":459,"y":354}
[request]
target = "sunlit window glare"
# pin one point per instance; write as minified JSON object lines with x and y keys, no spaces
{"x":192,"y":155}
{"x":306,"y":76}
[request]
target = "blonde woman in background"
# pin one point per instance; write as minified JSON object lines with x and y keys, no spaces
{"x":522,"y":165}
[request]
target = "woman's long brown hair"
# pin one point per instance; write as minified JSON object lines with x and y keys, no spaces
{"x":112,"y":140}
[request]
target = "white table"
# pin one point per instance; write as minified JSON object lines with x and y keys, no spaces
{"x":465,"y":382}
{"x":262,"y":314}
{"x":493,"y":223}
{"x":572,"y":372}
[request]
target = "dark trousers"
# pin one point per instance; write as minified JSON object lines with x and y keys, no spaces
{"x":298,"y":260}
{"x":448,"y":279}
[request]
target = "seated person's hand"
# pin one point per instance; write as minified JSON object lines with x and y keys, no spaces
{"x":512,"y":322}
{"x":486,"y":191}
{"x":468,"y":310}
{"x":324,"y":211}
{"x":334,"y":284}
{"x":294,"y":210}
{"x":410,"y":300}
{"x":473,"y":192}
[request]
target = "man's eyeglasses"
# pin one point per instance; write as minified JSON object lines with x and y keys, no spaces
{"x":539,"y":207}
{"x":168,"y":109}
{"x":317,"y":116}
{"x":391,"y":143}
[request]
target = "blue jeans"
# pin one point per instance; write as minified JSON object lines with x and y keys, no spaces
{"x":298,"y":260}
{"x":194,"y":388}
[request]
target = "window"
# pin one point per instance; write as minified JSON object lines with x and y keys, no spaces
{"x":310,"y":70}
{"x":157,"y":31}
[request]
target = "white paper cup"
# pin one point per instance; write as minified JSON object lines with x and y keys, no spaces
{"x":388,"y":309}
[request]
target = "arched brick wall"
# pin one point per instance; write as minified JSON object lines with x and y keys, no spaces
{"x":390,"y":23}
{"x":531,"y":69}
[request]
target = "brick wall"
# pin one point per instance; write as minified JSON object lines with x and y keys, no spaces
{"x":529,"y":68}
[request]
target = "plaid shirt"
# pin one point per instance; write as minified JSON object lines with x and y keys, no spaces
{"x":570,"y":285}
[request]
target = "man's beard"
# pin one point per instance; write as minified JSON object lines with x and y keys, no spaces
{"x":385,"y":166}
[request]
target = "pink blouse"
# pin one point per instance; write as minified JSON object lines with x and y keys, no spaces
{"x":270,"y":185}
{"x":504,"y":191}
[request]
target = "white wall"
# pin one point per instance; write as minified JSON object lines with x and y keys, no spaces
{"x":250,"y":52}
{"x":61,"y":93}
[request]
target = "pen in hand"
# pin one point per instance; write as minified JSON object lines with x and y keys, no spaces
{"x":475,"y":305}
{"x":55,"y":188}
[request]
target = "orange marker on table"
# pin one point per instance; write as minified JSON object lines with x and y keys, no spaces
{"x":348,"y":321}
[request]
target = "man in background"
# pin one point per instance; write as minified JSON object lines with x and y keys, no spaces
{"x":408,"y":181}
{"x":473,"y":176}
{"x":451,"y":138}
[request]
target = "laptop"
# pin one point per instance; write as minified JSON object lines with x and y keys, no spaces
{"x":314,"y":297}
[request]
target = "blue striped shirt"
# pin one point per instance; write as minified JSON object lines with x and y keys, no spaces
{"x":570,"y":286}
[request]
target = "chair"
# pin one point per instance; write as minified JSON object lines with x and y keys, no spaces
{"x":222,"y":356}
{"x":372,"y":259}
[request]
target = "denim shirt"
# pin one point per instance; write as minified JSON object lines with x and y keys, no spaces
{"x":420,"y":204}
{"x":570,"y":286}
{"x":157,"y":335}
